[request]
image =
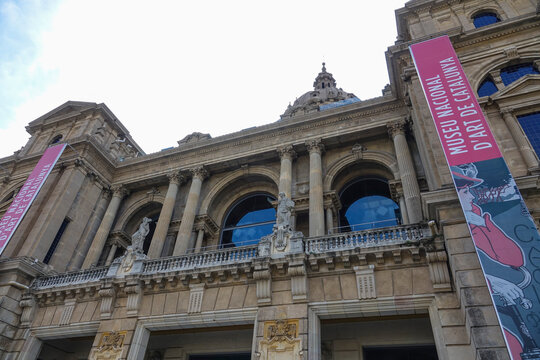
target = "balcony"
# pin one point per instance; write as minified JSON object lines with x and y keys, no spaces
{"x":364,"y":240}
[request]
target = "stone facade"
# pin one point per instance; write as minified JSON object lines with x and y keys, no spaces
{"x":324,"y":291}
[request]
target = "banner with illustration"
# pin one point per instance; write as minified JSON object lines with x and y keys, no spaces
{"x":28,"y":192}
{"x":503,"y":231}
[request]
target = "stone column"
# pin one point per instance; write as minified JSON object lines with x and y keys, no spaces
{"x":316,"y":206}
{"x":200,"y":237}
{"x":293,"y":220}
{"x":106,"y":224}
{"x":397,"y":195}
{"x":156,"y":246}
{"x":110,"y":257}
{"x":286,"y":155}
{"x":403,"y":210}
{"x":519,"y":137}
{"x":329,"y":220}
{"x":411,"y":191}
{"x":314,"y":336}
{"x":192,"y":203}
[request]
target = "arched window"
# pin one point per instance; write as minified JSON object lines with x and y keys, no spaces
{"x":56,"y":139}
{"x":512,"y":73}
{"x":487,"y":88}
{"x":249,"y":219}
{"x":366,"y":204}
{"x":485,"y":18}
{"x":531,"y":126}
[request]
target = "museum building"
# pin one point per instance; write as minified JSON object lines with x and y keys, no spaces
{"x":332,"y":233}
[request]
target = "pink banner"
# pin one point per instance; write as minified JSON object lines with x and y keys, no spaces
{"x":27,"y":194}
{"x":493,"y":207}
{"x":461,"y":125}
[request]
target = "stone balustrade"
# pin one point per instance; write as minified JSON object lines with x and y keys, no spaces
{"x":388,"y":236}
{"x":70,"y":278}
{"x":198,"y":260}
{"x":394,"y":235}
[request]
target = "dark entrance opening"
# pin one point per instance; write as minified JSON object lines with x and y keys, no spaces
{"x":426,"y":352}
{"x":242,"y":356}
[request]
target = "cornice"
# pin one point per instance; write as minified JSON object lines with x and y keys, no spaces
{"x":478,"y":35}
{"x":276,"y":129}
{"x":190,"y":157}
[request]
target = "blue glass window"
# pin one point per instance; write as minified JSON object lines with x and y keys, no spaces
{"x":531,"y":125}
{"x":249,"y":219}
{"x":512,"y":73}
{"x":484,"y":19}
{"x":55,"y":242}
{"x":487,"y":87}
{"x":366,"y":204}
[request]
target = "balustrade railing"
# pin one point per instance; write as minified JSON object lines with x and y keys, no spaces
{"x":366,"y":238}
{"x":235,"y":255}
{"x":204,"y":259}
{"x":70,"y":278}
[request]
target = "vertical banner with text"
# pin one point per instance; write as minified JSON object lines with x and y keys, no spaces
{"x":503,"y":231}
{"x":26,"y":195}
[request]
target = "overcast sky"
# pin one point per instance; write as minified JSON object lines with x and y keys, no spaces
{"x":169,"y":68}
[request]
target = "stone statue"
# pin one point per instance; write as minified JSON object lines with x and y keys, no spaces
{"x":137,"y":239}
{"x":284,"y":208}
{"x":283,"y":238}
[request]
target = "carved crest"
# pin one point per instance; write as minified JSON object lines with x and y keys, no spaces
{"x":282,"y":330}
{"x":112,"y":341}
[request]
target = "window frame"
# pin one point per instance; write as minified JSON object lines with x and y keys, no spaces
{"x":230,"y":211}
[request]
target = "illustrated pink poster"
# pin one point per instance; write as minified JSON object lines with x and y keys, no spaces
{"x":503,"y":231}
{"x":24,"y":198}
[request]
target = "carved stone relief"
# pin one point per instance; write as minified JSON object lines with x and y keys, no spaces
{"x":280,"y":341}
{"x":110,"y":346}
{"x":195,"y":298}
{"x":365,"y":280}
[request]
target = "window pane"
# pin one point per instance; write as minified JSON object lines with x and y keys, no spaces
{"x":366,"y":204}
{"x":252,"y":210}
{"x":246,"y":235}
{"x":250,"y":219}
{"x":531,"y":126}
{"x":372,"y":212}
{"x":258,"y":216}
{"x":512,"y":73}
{"x":485,"y":19}
{"x":486,"y":88}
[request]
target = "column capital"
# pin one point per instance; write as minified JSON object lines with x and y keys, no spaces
{"x":119,"y":191}
{"x":175,"y":177}
{"x":286,"y":152}
{"x":315,"y":145}
{"x":396,"y":127}
{"x":506,"y":111}
{"x":199,"y":172}
{"x":107,"y":193}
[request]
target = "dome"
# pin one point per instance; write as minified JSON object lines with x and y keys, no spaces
{"x":324,"y":92}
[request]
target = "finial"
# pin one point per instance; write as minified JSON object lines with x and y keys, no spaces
{"x":323,"y":67}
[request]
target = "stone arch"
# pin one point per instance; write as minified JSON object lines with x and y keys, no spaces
{"x":231,"y":177}
{"x":380,"y":158}
{"x":236,"y":185}
{"x":479,"y":73}
{"x":487,"y":8}
{"x":7,"y":196}
{"x":8,"y":191}
{"x":362,"y":183}
{"x":124,"y":221}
